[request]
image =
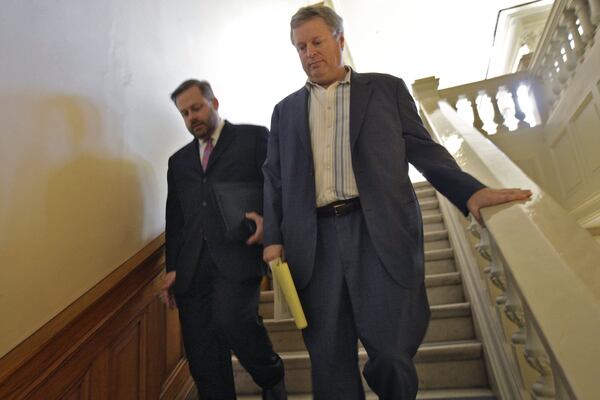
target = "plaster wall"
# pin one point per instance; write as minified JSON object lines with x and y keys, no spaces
{"x":87,"y":128}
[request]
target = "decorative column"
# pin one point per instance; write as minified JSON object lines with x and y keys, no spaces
{"x":537,"y":358}
{"x":514,"y":312}
{"x":570,"y":20}
{"x":453,"y":101}
{"x":561,"y":74}
{"x":581,"y":9}
{"x":595,"y":12}
{"x":562,"y":36}
{"x":477,"y":122}
{"x":498,"y":117}
{"x":519,"y":114}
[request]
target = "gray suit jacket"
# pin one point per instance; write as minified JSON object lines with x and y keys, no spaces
{"x":386,"y":134}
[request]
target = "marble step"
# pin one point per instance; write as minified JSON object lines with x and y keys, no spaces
{"x":428,"y":203}
{"x":452,"y":365}
{"x":449,"y":322}
{"x":439,"y":394}
{"x":433,"y":221}
{"x":421,"y":185}
{"x":425,"y":192}
{"x":436,"y":235}
{"x":442,"y":288}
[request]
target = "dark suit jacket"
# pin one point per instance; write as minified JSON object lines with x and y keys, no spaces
{"x":386,"y":134}
{"x":192,"y":215}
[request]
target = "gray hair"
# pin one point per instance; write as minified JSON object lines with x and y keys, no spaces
{"x":333,"y":21}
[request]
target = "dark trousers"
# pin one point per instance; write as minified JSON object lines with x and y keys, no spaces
{"x":349,"y":297}
{"x":218,"y":316}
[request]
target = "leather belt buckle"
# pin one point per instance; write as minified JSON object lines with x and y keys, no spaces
{"x":338,"y":209}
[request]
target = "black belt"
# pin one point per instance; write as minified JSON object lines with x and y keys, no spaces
{"x":339,"y":208}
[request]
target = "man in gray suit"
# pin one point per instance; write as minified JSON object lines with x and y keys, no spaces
{"x":339,"y":199}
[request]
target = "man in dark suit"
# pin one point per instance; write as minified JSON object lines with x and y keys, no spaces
{"x":339,"y":199}
{"x":214,"y":281}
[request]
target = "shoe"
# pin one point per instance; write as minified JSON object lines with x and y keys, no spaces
{"x":277,"y":392}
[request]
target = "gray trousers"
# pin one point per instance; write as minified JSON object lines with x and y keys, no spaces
{"x":349,"y":297}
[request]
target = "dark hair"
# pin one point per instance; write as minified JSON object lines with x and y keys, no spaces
{"x":204,"y":87}
{"x":333,"y":21}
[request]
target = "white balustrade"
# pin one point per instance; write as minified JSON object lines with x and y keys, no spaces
{"x":494,"y":88}
{"x":510,"y":303}
{"x":566,"y":39}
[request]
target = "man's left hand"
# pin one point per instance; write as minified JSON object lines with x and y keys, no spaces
{"x":257,"y":237}
{"x":490,"y":197}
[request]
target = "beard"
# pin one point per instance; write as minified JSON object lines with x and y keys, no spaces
{"x":203,"y":129}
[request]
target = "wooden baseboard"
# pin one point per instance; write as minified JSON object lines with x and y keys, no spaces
{"x":115,"y":341}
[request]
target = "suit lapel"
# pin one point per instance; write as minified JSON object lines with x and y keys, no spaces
{"x":301,"y":119}
{"x":360,"y":94}
{"x":193,"y":156}
{"x":225,"y":139}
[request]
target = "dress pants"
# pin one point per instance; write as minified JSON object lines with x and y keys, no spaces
{"x":218,"y":316}
{"x":351,"y":296}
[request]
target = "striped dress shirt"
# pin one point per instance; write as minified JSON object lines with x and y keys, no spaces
{"x":329,"y":122}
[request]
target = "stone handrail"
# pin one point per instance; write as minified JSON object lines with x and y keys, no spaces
{"x":490,"y":87}
{"x":546,"y":267}
{"x":567,"y":37}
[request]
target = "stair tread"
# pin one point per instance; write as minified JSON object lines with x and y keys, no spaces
{"x":431,"y":280}
{"x":443,"y":279}
{"x":437,"y":311}
{"x":428,"y":352}
{"x":431,"y":394}
{"x":421,"y":184}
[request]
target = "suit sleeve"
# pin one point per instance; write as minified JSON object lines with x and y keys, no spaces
{"x":431,"y":158}
{"x":174,"y":223}
{"x":272,"y":187}
{"x":260,"y":152}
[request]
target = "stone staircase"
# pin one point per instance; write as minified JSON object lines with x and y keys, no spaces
{"x":450,"y":362}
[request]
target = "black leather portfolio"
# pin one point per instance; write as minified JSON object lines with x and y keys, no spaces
{"x":234,"y":200}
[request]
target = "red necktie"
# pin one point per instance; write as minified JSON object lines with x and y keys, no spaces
{"x":206,"y":154}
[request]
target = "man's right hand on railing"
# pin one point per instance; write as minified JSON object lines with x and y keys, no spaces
{"x":487,"y":197}
{"x":166,"y":294}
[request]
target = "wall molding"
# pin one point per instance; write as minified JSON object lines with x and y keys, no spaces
{"x":118,"y":325}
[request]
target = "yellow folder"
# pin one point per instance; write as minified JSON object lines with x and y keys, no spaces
{"x":286,"y":295}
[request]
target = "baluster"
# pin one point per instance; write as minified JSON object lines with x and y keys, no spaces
{"x":483,"y":247}
{"x":514,"y":312}
{"x":581,"y":9}
{"x":496,"y":268}
{"x":453,"y":101}
{"x":537,"y":358}
{"x":556,"y":85}
{"x":498,"y":117}
{"x":561,"y":74}
{"x":571,"y":19}
{"x":595,"y":12}
{"x":519,"y":114}
{"x":477,"y":122}
{"x":562,"y":36}
{"x":474,"y":228}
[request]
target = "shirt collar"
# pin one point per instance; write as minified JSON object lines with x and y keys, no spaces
{"x":216,"y":133}
{"x":310,"y":84}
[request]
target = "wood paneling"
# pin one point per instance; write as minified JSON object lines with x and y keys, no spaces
{"x":118,"y":341}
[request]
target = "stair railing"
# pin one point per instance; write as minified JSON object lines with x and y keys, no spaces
{"x":543,"y":267}
{"x":563,"y":46}
{"x":505,"y":87}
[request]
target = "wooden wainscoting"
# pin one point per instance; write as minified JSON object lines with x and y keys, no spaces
{"x":118,"y":341}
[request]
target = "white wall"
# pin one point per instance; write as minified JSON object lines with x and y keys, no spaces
{"x":87,"y":127}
